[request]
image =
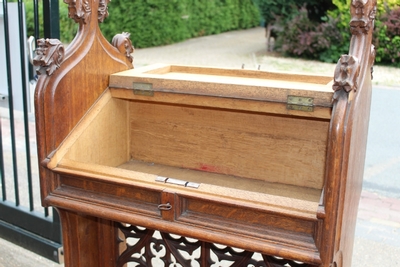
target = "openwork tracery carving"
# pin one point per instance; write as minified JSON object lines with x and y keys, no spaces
{"x":79,"y":10}
{"x":49,"y":56}
{"x":145,"y":247}
{"x":346,"y":73}
{"x":363,"y":15}
{"x":122,"y":42}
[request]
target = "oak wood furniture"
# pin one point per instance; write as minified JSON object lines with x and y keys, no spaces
{"x":185,"y":165}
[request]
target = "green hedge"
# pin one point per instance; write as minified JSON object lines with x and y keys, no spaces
{"x":160,"y":22}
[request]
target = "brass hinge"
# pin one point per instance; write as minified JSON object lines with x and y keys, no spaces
{"x":300,"y":103}
{"x":145,"y":89}
{"x":168,"y":180}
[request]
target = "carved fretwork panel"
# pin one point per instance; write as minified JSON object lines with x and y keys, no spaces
{"x":144,"y":247}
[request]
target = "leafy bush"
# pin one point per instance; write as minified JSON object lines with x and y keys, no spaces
{"x":160,"y":22}
{"x":387,"y":37}
{"x":273,"y":10}
{"x":386,"y":40}
{"x":301,"y":37}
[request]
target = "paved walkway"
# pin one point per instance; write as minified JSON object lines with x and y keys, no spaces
{"x":377,"y":241}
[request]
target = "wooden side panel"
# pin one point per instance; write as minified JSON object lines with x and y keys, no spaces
{"x":79,"y":77}
{"x":260,"y":146}
{"x":104,"y":140}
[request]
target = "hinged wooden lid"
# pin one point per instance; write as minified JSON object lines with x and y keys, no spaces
{"x":228,"y":83}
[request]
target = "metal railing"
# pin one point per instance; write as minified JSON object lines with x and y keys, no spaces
{"x":22,"y":220}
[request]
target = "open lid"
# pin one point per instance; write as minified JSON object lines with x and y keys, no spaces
{"x":228,"y":83}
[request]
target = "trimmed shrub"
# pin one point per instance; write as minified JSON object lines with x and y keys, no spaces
{"x":160,"y":22}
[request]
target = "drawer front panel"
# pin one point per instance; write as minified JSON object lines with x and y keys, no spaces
{"x":130,"y":198}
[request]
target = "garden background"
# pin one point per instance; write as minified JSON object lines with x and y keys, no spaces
{"x":310,"y":29}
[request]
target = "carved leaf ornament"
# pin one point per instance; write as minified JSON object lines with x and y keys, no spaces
{"x":346,"y":73}
{"x":363,"y":16}
{"x":123,"y":44}
{"x":49,"y":56}
{"x":79,"y":10}
{"x":103,"y":10}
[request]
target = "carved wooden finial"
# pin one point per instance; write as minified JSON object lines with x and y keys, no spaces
{"x":49,"y":56}
{"x":346,"y":73}
{"x":79,"y":10}
{"x":103,"y":10}
{"x":122,"y":42}
{"x":362,"y":16}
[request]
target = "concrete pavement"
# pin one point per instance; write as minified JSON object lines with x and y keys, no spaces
{"x":377,"y":241}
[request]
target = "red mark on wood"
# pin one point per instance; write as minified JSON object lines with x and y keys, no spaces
{"x":208,"y":168}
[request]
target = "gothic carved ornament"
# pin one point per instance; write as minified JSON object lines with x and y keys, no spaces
{"x":49,"y":56}
{"x":79,"y":10}
{"x":346,"y":73}
{"x":122,"y":42}
{"x":362,"y":16}
{"x":103,"y":10}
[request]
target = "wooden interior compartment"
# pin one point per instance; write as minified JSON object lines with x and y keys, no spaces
{"x":228,"y":145}
{"x":265,"y":147}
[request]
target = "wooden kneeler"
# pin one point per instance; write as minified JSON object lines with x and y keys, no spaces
{"x":192,"y":166}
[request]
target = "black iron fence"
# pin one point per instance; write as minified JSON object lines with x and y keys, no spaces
{"x":22,"y":219}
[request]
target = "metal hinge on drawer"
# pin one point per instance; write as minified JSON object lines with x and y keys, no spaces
{"x":300,"y":103}
{"x":145,"y":89}
{"x":168,"y":180}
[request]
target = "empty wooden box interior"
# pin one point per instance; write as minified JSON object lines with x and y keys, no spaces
{"x":197,"y":145}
